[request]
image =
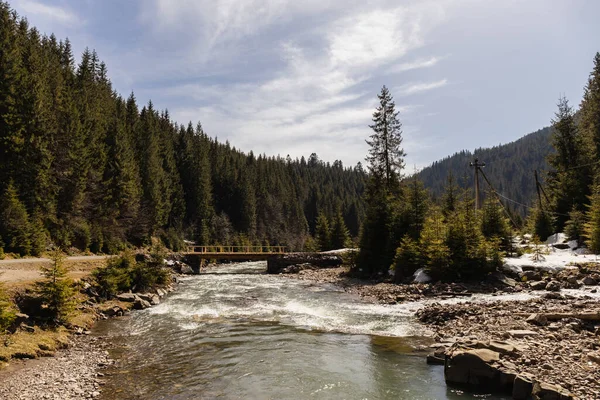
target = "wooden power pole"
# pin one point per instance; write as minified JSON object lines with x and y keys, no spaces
{"x":477,"y":165}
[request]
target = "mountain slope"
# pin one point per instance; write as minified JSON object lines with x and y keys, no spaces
{"x":510,"y":168}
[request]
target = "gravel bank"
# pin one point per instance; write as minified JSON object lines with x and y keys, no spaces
{"x":74,"y":373}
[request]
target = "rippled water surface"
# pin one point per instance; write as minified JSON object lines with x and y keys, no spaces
{"x":237,"y":333}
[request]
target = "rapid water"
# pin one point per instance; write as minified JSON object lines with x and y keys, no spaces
{"x":237,"y":333}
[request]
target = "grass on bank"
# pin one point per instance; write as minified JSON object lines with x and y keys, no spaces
{"x":58,"y":305}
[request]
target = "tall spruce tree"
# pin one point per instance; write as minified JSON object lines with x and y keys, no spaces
{"x":382,"y":229}
{"x":386,"y":156}
{"x":569,"y":184}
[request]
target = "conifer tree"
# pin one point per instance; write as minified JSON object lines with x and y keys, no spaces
{"x":590,"y":113}
{"x":450,"y":196}
{"x":408,"y":259}
{"x":323,"y":233}
{"x":417,"y":207}
{"x":592,"y":227}
{"x":568,"y":183}
{"x":14,"y":223}
{"x":56,"y":289}
{"x":386,"y":156}
{"x":340,"y":237}
{"x":574,"y":229}
{"x":493,"y":222}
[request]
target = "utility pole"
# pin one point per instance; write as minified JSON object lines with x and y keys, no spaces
{"x":477,"y":165}
{"x":537,"y":187}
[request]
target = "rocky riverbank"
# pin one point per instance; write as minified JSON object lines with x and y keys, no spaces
{"x":383,"y":291}
{"x":73,"y":373}
{"x":553,"y":340}
{"x":75,"y":370}
{"x":551,"y":343}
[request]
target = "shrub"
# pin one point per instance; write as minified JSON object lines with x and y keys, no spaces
{"x":152,"y":272}
{"x":116,"y":276}
{"x":57,"y":291}
{"x":124,"y":273}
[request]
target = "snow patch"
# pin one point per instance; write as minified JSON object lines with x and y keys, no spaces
{"x":421,"y":276}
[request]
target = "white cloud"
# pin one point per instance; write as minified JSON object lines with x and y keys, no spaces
{"x":317,"y":94}
{"x":414,"y":88}
{"x":55,"y":13}
{"x":417,"y":64}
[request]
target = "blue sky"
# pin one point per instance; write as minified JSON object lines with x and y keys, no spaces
{"x":296,"y":77}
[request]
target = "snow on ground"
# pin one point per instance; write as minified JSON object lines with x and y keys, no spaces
{"x":339,"y":251}
{"x":552,"y":258}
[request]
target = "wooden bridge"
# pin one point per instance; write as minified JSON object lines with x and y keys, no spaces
{"x":235,"y":252}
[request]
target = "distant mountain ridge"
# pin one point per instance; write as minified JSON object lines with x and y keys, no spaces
{"x":510,"y":168}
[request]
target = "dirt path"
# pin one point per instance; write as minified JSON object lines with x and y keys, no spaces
{"x":28,"y":269}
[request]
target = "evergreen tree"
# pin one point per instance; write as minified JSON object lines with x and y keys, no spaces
{"x":340,"y":237}
{"x":574,"y":228}
{"x":386,"y":156}
{"x":323,"y":233}
{"x":592,"y":227}
{"x":56,"y":290}
{"x":450,"y":196}
{"x":542,"y":224}
{"x":418,"y":205}
{"x":14,"y":223}
{"x":590,"y":114}
{"x":408,"y":259}
{"x":435,"y":253}
{"x":493,"y":222}
{"x":567,"y":181}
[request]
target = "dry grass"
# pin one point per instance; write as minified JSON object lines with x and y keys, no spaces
{"x":39,"y":343}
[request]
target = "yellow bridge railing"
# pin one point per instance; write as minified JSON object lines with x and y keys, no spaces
{"x":236,"y":249}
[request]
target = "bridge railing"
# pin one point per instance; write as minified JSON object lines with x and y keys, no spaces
{"x":235,"y":249}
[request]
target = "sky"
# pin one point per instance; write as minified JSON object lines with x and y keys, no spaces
{"x":300,"y":76}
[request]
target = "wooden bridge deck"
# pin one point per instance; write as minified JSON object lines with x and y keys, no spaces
{"x":235,"y":252}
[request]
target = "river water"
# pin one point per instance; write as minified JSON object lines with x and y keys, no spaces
{"x":237,"y":333}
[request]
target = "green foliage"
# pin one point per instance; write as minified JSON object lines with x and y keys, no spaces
{"x":56,"y":290}
{"x":124,"y":273}
{"x":435,"y":251}
{"x":386,"y":156}
{"x":542,"y":224}
{"x":568,"y":186}
{"x":407,"y":260}
{"x":7,"y":310}
{"x":592,"y":227}
{"x":116,"y":276}
{"x":575,"y":227}
{"x":14,"y":223}
{"x":494,"y":224}
{"x":340,"y":237}
{"x":509,"y":168}
{"x":323,"y":233}
{"x":95,"y":171}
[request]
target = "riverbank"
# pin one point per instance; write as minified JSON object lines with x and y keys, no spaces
{"x":73,"y":373}
{"x":555,"y":335}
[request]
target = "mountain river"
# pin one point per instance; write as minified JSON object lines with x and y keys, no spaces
{"x":238,"y":333}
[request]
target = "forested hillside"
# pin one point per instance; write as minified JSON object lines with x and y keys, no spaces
{"x":510,"y":168}
{"x":81,"y":166}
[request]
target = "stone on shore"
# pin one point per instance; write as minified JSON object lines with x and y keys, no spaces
{"x":276,"y":264}
{"x":546,"y":391}
{"x":521,"y":333}
{"x":127,"y":297}
{"x":539,"y":285}
{"x":537,"y":319}
{"x":553,"y":286}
